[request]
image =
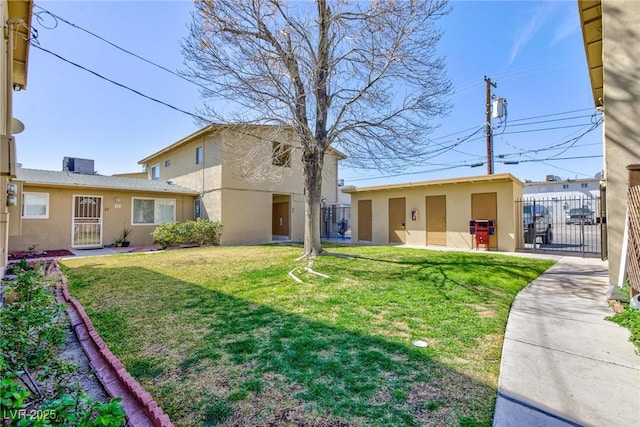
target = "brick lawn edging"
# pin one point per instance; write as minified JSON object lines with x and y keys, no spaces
{"x":139,"y":405}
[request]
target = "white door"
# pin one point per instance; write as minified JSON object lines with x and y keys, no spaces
{"x":87,"y":221}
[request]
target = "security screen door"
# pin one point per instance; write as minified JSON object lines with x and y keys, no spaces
{"x":87,"y":221}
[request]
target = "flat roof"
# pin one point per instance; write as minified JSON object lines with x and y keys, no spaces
{"x":75,"y":180}
{"x":439,"y":182}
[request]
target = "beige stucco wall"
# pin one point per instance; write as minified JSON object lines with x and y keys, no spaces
{"x":55,"y":232}
{"x":238,"y":181}
{"x":621,"y":56}
{"x":137,"y":175}
{"x":183,"y":169}
{"x":458,"y":206}
{"x":247,"y":216}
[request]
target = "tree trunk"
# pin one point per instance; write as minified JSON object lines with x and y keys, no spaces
{"x":312,"y":203}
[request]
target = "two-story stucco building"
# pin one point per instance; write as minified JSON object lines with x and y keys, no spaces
{"x":249,"y":177}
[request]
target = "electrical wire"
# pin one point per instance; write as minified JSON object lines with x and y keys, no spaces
{"x":71,"y":24}
{"x":195,"y":116}
{"x":553,"y":114}
{"x":468,"y":165}
{"x":444,"y":148}
{"x":562,"y":158}
{"x":550,"y":121}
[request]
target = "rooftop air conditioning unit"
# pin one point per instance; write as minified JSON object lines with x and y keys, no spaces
{"x":76,"y":165}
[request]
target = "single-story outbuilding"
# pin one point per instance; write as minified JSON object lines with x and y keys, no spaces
{"x":437,"y":213}
{"x":60,"y":210}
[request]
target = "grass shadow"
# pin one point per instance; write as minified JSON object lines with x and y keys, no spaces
{"x":212,"y":358}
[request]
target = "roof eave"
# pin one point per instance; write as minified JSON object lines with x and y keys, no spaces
{"x":21,"y":9}
{"x":178,"y":143}
{"x":108,"y":188}
{"x":453,"y":181}
{"x":591,"y":24}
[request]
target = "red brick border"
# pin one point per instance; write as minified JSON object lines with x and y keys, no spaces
{"x":139,"y":405}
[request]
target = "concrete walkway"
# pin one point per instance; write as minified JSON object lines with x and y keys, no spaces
{"x":562,"y":363}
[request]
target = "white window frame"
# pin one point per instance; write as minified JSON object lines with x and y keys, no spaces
{"x":133,"y":199}
{"x":46,"y":208}
{"x":155,"y":168}
{"x":199,"y":155}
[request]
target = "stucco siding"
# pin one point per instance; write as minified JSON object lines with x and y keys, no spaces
{"x":248,"y":162}
{"x":179,"y":165}
{"x":458,"y":212}
{"x":55,"y":232}
{"x":621,"y":56}
{"x":330,"y":179}
{"x":246,"y":216}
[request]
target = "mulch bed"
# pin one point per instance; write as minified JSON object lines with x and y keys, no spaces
{"x":18,"y":255}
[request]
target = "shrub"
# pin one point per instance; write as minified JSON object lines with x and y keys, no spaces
{"x":165,"y":235}
{"x":205,"y":232}
{"x":199,"y":232}
{"x":32,"y":323}
{"x":33,"y":330}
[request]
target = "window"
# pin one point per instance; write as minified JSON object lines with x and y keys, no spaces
{"x":584,"y":185}
{"x":197,"y":212}
{"x":153,"y":211}
{"x":35,"y":205}
{"x":155,"y":172}
{"x":281,"y":155}
{"x":198,"y":155}
{"x":565,"y":186}
{"x":167,"y":163}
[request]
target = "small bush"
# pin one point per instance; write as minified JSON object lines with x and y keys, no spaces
{"x":165,"y":235}
{"x":630,"y":319}
{"x":32,"y":332}
{"x":199,"y":232}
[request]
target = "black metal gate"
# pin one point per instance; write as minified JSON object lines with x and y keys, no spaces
{"x":570,"y":225}
{"x":336,"y":222}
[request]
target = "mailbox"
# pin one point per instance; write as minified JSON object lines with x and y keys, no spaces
{"x":482,"y":229}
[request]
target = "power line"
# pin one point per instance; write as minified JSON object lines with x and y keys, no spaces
{"x":561,"y":158}
{"x":546,"y":129}
{"x":548,"y":121}
{"x":120,"y":84}
{"x":453,"y":166}
{"x":71,"y":24}
{"x":553,"y":114}
{"x":571,"y":141}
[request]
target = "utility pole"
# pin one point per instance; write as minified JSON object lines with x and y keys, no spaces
{"x":488,"y":124}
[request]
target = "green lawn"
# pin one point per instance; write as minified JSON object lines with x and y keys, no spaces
{"x":223,"y":336}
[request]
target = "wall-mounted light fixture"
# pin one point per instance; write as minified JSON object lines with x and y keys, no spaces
{"x":117,"y":199}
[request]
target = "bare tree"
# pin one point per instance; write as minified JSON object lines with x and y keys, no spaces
{"x":363,"y":77}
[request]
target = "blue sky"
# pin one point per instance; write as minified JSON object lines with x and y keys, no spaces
{"x":533,"y":50}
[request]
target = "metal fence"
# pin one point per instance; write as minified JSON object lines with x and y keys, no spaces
{"x":336,"y":222}
{"x":633,"y":252}
{"x":572,"y":225}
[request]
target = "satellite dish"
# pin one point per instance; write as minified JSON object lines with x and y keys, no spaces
{"x":16,"y":126}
